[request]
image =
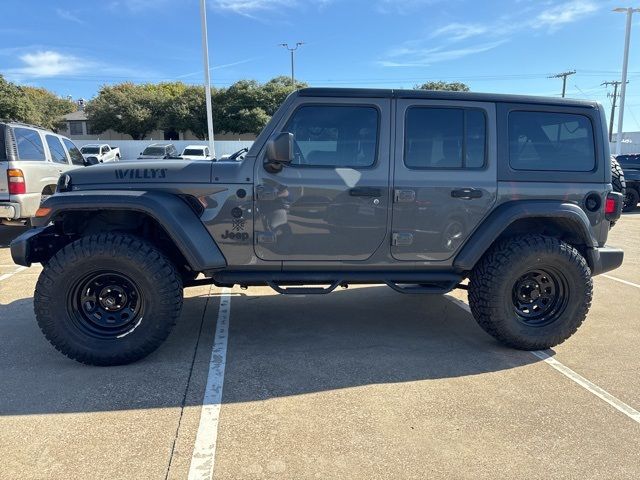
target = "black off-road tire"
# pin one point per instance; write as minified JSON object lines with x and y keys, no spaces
{"x":493,"y":283}
{"x":617,"y":179}
{"x":631,"y":200}
{"x":60,"y":306}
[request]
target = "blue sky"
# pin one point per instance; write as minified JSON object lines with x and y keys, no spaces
{"x":509,"y":46}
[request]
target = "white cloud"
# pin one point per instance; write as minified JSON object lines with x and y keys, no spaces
{"x":248,"y":7}
{"x":70,"y":16}
{"x":404,"y":7}
{"x":452,"y":36}
{"x":563,"y":13}
{"x":421,"y":57}
{"x":50,"y":64}
{"x":460,"y":31}
{"x":137,"y":5}
{"x":46,"y":64}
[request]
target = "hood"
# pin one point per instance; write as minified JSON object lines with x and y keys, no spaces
{"x":127,"y":174}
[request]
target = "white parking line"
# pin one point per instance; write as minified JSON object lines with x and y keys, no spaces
{"x":619,"y":405}
{"x":631,"y":284}
{"x":9,"y":275}
{"x":204,"y":451}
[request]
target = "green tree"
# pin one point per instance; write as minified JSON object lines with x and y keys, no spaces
{"x":136,"y":110}
{"x":194,"y":108}
{"x":246,"y":106}
{"x":441,"y":85}
{"x":49,"y":108}
{"x":127,"y":108}
{"x":32,"y":105}
{"x":14,"y":102}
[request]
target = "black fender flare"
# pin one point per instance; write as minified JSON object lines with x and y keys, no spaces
{"x":172,"y":213}
{"x":508,"y":213}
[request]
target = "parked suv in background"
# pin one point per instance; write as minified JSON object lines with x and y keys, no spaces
{"x":416,"y":190}
{"x":157,"y":151}
{"x":631,"y":166}
{"x":31,"y":161}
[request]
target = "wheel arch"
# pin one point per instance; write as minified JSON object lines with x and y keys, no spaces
{"x":164,"y":219}
{"x":565,"y":221}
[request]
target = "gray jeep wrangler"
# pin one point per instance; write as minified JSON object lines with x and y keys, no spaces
{"x":417,"y":190}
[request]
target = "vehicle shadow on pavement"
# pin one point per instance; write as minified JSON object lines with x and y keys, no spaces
{"x":36,"y":379}
{"x":278,"y":346}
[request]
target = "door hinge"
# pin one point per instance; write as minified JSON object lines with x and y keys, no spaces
{"x":404,"y":196}
{"x":400,"y":239}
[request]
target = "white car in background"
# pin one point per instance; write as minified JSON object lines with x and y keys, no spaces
{"x":196,"y":152}
{"x":100,"y":153}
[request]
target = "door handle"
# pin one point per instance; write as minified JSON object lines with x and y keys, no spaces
{"x":466,"y":193}
{"x":365,"y":192}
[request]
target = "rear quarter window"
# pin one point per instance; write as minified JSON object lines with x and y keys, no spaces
{"x":29,"y":144}
{"x":548,"y":141}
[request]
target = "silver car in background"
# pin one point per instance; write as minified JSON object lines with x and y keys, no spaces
{"x":157,"y":151}
{"x":31,"y":161}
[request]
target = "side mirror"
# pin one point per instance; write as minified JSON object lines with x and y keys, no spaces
{"x":280,"y":150}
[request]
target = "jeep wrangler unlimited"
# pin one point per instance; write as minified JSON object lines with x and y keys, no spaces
{"x":417,"y":190}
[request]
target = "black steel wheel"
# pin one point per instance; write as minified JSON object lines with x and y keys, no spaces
{"x":108,"y":299}
{"x":531,"y":292}
{"x":540,"y":296}
{"x":631,"y":200}
{"x":106,"y":304}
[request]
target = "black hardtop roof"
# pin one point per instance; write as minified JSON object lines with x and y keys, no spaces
{"x":441,"y":95}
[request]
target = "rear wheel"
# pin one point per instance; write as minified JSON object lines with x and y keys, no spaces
{"x":531,"y":292}
{"x":108,"y":299}
{"x":631,"y":200}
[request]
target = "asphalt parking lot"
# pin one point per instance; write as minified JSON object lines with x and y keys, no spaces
{"x":363,"y":383}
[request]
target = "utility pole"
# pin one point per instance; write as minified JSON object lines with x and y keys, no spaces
{"x":207,"y":78}
{"x":625,"y":63}
{"x":292,"y":50}
{"x":564,"y":76}
{"x":614,"y":98}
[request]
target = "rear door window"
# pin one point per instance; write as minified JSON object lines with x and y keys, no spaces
{"x":551,"y":142}
{"x":29,"y":144}
{"x":444,"y":138}
{"x":58,"y":155}
{"x":74,"y":153}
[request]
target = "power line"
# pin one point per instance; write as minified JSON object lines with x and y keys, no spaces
{"x":564,"y":76}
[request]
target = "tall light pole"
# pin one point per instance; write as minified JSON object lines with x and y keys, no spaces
{"x":625,"y":63}
{"x":207,"y":78}
{"x":292,"y":50}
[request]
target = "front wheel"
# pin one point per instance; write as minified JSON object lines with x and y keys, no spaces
{"x":108,"y":299}
{"x":531,"y":292}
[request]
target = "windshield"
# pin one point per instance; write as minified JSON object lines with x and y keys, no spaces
{"x":153,"y":151}
{"x":90,"y":149}
{"x":193,"y":151}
